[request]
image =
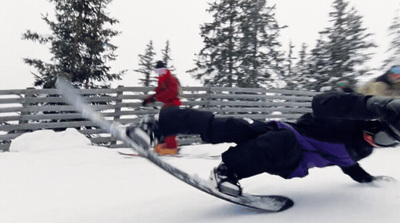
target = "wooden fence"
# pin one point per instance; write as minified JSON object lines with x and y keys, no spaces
{"x":31,"y":109}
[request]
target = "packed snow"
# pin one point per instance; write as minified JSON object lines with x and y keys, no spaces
{"x":60,"y":177}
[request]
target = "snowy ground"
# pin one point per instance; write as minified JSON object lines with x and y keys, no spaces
{"x":60,"y":177}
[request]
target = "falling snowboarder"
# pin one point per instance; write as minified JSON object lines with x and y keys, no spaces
{"x":342,"y":129}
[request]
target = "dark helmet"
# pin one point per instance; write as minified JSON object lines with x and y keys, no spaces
{"x":160,"y":64}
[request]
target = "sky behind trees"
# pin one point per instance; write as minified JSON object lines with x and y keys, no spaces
{"x":177,"y":21}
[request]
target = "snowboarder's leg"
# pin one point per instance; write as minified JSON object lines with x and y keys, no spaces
{"x":169,"y":147}
{"x":149,"y":127}
{"x":174,"y":121}
{"x":341,"y":106}
{"x":354,"y":106}
{"x":276,"y":152}
{"x":337,"y":105}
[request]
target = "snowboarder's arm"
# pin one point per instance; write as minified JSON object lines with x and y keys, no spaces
{"x":358,"y":174}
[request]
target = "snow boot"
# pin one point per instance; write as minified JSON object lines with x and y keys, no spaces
{"x":226,"y":181}
{"x":146,"y":133}
{"x":162,"y":150}
{"x":387,"y":110}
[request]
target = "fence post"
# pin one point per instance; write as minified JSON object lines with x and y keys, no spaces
{"x":117,"y":110}
{"x":208,"y":98}
{"x":25,"y":111}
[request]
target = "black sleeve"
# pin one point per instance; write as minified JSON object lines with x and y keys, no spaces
{"x":358,"y":174}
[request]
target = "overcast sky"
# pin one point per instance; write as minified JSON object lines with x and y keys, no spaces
{"x":175,"y":20}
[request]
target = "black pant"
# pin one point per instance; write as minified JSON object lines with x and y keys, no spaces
{"x":339,"y":105}
{"x":260,"y":147}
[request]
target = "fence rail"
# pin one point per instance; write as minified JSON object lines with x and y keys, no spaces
{"x":31,"y":109}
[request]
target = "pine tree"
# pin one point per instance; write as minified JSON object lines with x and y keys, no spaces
{"x":80,"y":44}
{"x":290,"y":76}
{"x":319,"y":63}
{"x":241,"y":47}
{"x":343,"y":48}
{"x":394,"y":47}
{"x":301,"y":70}
{"x":298,"y":73}
{"x":217,"y":62}
{"x":166,"y":57}
{"x":261,"y":58}
{"x":146,"y":64}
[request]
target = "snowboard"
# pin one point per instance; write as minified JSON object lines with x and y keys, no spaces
{"x":141,"y":145}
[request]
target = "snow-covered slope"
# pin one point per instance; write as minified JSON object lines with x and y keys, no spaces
{"x":60,"y":177}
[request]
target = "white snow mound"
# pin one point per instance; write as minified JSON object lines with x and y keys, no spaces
{"x":33,"y":141}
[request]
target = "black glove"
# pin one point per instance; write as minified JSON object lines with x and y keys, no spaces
{"x":148,"y":100}
{"x":358,"y":174}
{"x":144,"y":103}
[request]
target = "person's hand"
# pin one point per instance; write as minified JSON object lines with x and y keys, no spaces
{"x":148,"y":100}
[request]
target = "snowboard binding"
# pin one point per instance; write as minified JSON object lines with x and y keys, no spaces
{"x":226,"y":181}
{"x":146,"y":133}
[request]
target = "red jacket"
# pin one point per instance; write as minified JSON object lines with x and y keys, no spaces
{"x":167,"y":90}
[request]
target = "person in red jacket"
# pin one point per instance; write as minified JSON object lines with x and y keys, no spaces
{"x":166,"y":92}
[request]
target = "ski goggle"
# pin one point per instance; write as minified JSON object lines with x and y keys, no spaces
{"x":161,"y":71}
{"x":342,"y":84}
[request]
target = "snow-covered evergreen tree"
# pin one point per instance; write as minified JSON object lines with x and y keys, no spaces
{"x":217,"y":62}
{"x":240,"y":45}
{"x":166,"y":57}
{"x":289,"y":75}
{"x":300,"y":73}
{"x":319,"y":63}
{"x":146,"y":66}
{"x":260,"y":53}
{"x":394,"y":47}
{"x":80,"y":44}
{"x":342,"y":48}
